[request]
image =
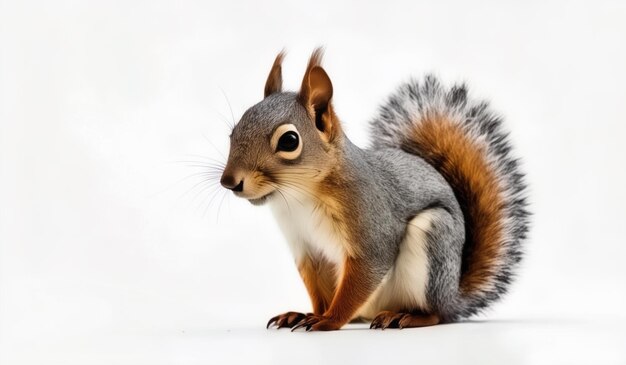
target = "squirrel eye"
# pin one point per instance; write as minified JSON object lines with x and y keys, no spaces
{"x":288,"y":142}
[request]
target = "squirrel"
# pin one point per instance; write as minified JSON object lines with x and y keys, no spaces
{"x":423,"y":227}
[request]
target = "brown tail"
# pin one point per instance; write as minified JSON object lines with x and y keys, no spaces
{"x":465,"y":143}
{"x":462,"y":162}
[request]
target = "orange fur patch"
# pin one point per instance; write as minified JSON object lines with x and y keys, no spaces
{"x":319,"y":278}
{"x":355,"y":283}
{"x":352,"y":292}
{"x":462,"y":162}
{"x":341,"y":210}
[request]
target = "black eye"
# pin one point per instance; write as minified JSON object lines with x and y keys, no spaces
{"x":288,"y":142}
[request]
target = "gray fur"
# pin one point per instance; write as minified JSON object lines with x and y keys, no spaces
{"x":406,"y":186}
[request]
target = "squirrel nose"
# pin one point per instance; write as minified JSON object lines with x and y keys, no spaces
{"x":229,"y":182}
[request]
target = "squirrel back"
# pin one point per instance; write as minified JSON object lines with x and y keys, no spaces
{"x":464,"y":141}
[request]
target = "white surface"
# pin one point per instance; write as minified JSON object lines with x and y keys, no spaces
{"x":492,"y":342}
{"x":113,"y":252}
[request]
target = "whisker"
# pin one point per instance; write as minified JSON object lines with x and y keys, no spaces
{"x":215,"y":194}
{"x":223,"y":119}
{"x":207,"y":174}
{"x":285,"y":200}
{"x":288,"y":193}
{"x":277,"y":188}
{"x":194,"y":163}
{"x":212,"y":193}
{"x":308,"y":173}
{"x":211,"y":188}
{"x":299,"y":190}
{"x":203,"y":165}
{"x":199,"y":183}
{"x":293,"y":170}
{"x":214,"y":147}
{"x":232,"y":115}
{"x":219,"y":207}
{"x":206,"y":158}
{"x":294,"y":185}
{"x":210,"y":163}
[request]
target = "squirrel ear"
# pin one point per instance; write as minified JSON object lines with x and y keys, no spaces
{"x":316,"y":93}
{"x":274,"y":83}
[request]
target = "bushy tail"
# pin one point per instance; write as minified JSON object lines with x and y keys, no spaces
{"x":465,"y":142}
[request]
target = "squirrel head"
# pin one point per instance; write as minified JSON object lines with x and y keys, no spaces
{"x":288,"y":141}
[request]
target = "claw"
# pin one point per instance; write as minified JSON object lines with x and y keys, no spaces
{"x":270,"y":322}
{"x":307,"y":322}
{"x":303,"y":323}
{"x":386,"y":320}
{"x":389,"y":319}
{"x":375,"y":323}
{"x":287,"y":319}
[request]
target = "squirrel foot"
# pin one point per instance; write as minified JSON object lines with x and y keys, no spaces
{"x":388,"y":319}
{"x":316,"y":322}
{"x":286,"y":320}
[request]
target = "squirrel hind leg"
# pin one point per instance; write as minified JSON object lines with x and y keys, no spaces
{"x":389,"y":319}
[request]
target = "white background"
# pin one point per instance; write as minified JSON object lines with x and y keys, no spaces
{"x":114,"y":250}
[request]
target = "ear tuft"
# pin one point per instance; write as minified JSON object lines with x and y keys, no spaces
{"x":315,"y":94}
{"x":274,"y":83}
{"x":314,"y":61}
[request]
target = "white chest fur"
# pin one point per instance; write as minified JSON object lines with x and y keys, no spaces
{"x":307,"y":228}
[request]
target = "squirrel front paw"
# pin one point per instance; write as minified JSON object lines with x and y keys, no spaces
{"x":316,"y":322}
{"x":286,"y":320}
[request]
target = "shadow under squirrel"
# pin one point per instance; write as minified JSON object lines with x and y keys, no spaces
{"x":423,"y":227}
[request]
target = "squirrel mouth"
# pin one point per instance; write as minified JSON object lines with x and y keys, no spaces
{"x":261,"y":200}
